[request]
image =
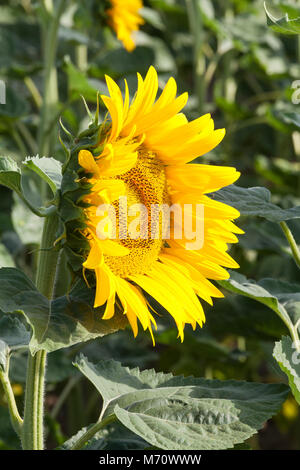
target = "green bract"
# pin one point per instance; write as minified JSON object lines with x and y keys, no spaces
{"x":74,"y":187}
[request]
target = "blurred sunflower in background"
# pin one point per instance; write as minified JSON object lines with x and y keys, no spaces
{"x":145,"y":147}
{"x":124,"y":19}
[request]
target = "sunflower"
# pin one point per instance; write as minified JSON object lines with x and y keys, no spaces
{"x":143,"y":154}
{"x":125,"y":19}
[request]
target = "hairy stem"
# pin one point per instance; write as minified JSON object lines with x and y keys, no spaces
{"x":92,"y":431}
{"x":32,"y":432}
{"x":293,"y":329}
{"x":15,"y":417}
{"x":292,"y":242}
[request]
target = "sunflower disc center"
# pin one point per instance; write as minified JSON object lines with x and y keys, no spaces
{"x":146,"y":185}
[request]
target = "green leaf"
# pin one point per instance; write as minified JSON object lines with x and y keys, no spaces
{"x":288,"y":358}
{"x":56,"y":324}
{"x":78,"y":83}
{"x":14,"y":332}
{"x":112,"y":380}
{"x":280,"y":296}
{"x":49,"y":169}
{"x":255,"y":202}
{"x":152,"y":17}
{"x":290,"y":118}
{"x":4,"y":353}
{"x":283,"y":25}
{"x":23,"y":184}
{"x":6,"y":259}
{"x":183,"y":413}
{"x":13,"y":335}
{"x":10,"y":175}
{"x":8,"y":438}
{"x":28,"y":225}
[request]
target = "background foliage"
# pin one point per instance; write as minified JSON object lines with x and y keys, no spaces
{"x":234,"y":67}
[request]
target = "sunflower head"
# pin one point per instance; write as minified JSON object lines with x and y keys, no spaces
{"x":142,"y":224}
{"x":125,"y":20}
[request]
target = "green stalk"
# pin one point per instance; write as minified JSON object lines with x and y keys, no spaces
{"x":50,"y":98}
{"x":15,"y":417}
{"x":296,"y":255}
{"x":292,"y":242}
{"x":30,"y":438}
{"x":32,"y":432}
{"x":92,"y":431}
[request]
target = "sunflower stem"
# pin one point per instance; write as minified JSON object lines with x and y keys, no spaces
{"x":33,"y":427}
{"x":15,"y":417}
{"x":292,"y":242}
{"x":293,"y":329}
{"x":92,"y":431}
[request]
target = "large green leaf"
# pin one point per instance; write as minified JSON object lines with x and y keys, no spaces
{"x":255,"y":202}
{"x":182,"y":413}
{"x":57,"y":324}
{"x":288,"y":358}
{"x":112,"y":380}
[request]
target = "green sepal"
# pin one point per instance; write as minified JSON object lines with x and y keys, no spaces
{"x":74,"y":187}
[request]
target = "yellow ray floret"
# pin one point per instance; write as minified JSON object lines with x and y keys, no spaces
{"x":124,"y":18}
{"x":143,"y":156}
